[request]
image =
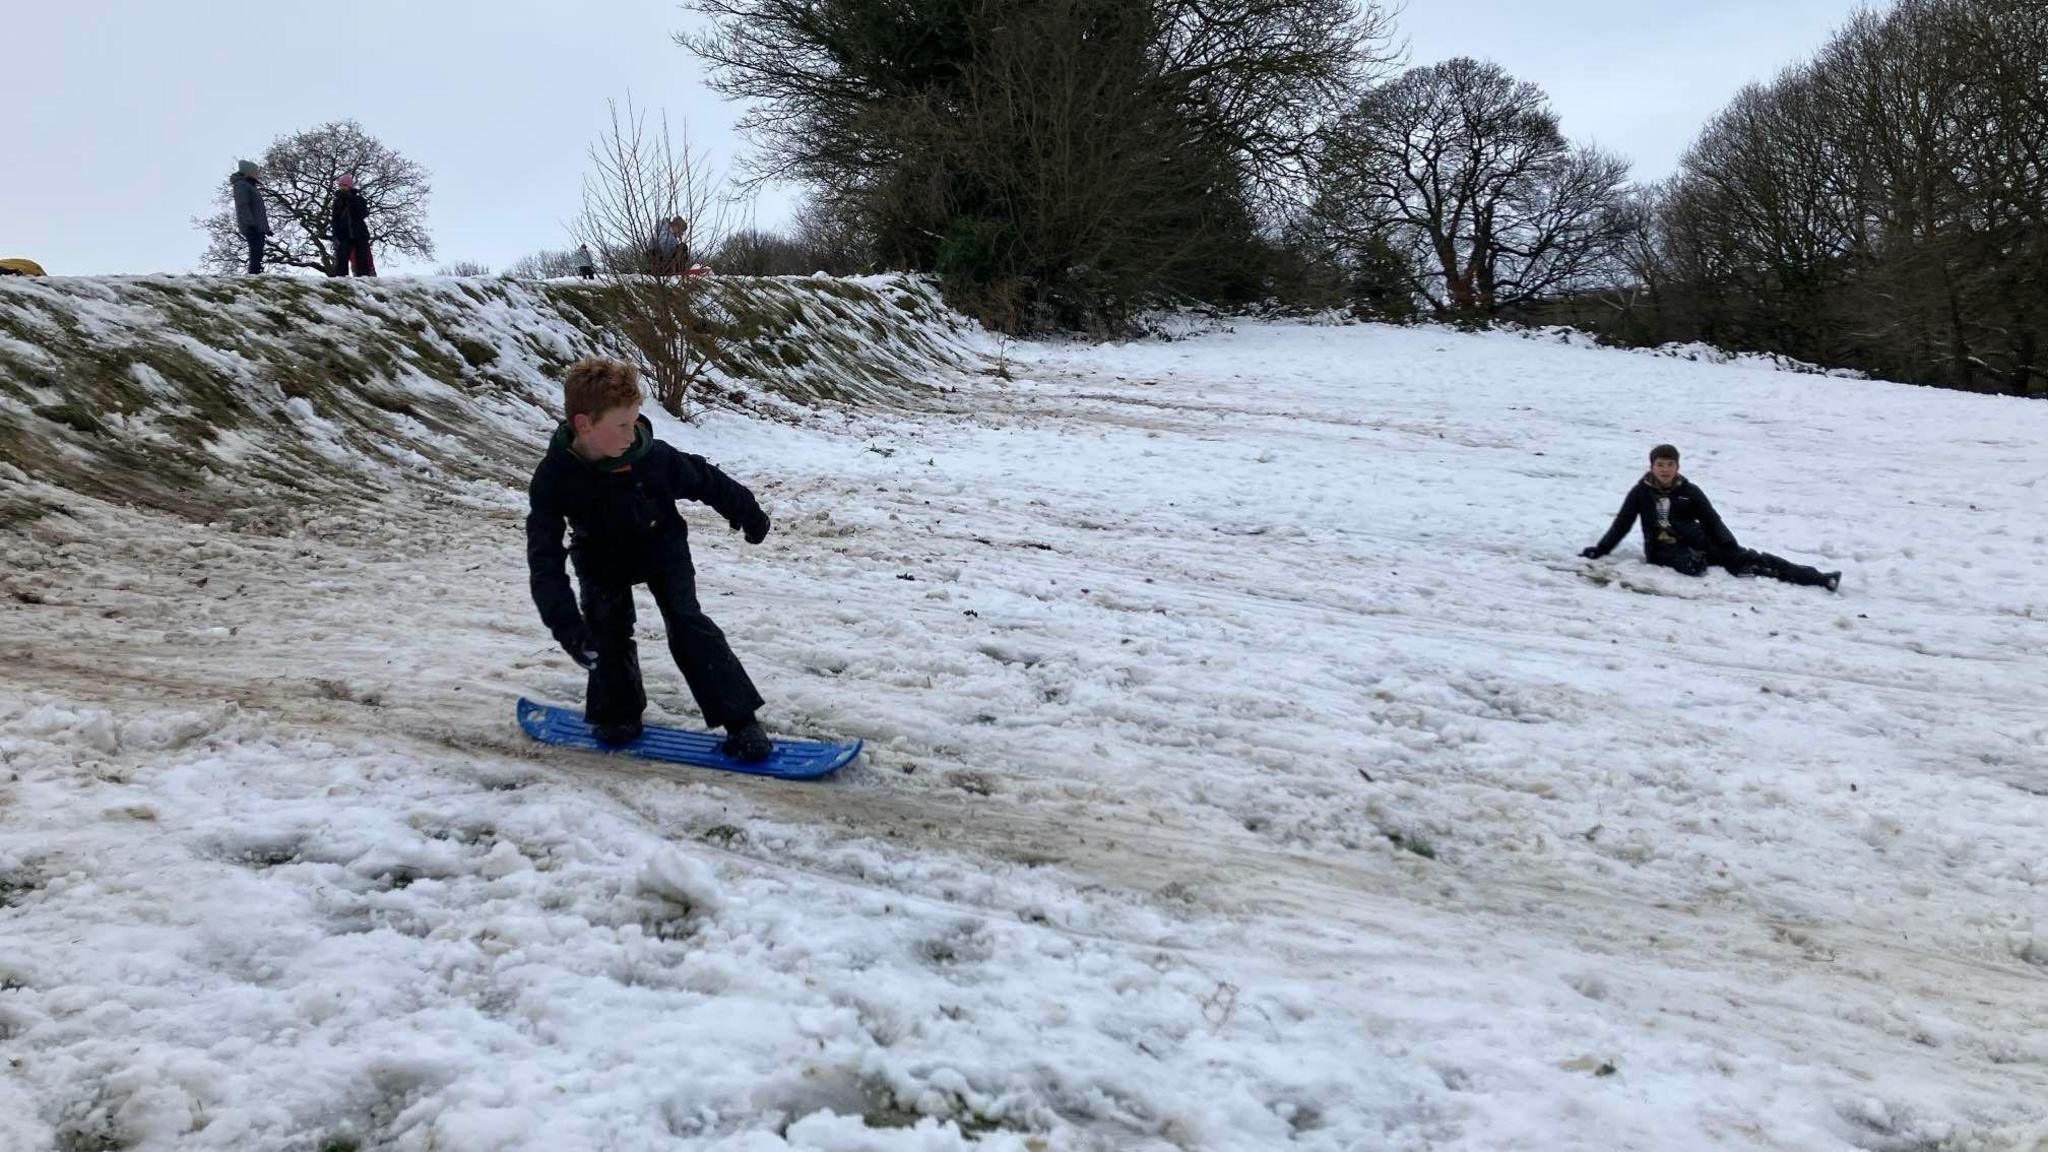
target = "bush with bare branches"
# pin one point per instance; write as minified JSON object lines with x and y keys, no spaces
{"x":642,"y":178}
{"x":813,"y":246}
{"x":547,"y":264}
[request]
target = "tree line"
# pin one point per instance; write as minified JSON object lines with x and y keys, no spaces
{"x":1063,"y":164}
{"x":1883,"y":206}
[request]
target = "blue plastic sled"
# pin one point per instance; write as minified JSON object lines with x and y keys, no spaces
{"x":791,"y":760}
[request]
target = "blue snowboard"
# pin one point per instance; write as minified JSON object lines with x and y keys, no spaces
{"x":791,"y":760}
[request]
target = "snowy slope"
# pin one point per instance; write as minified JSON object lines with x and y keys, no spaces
{"x":269,"y":400}
{"x":1252,"y":765}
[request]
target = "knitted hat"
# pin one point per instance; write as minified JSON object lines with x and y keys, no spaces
{"x":245,"y":168}
{"x":346,"y":181}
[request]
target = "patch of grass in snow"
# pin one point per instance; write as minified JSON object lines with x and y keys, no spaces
{"x":341,"y":691}
{"x":972,"y":782}
{"x":93,"y":1132}
{"x":850,"y":1092}
{"x":18,"y":512}
{"x":1412,"y":841}
{"x":476,"y":352}
{"x":54,"y":314}
{"x":893,"y":1115}
{"x":17,"y":882}
{"x":967,"y":942}
{"x":259,"y":851}
{"x":398,"y":879}
{"x":74,"y":416}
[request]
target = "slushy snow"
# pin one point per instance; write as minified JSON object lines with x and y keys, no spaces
{"x":1252,"y":764}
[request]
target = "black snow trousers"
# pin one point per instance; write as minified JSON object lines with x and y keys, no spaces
{"x":356,"y":254}
{"x":615,"y":696}
{"x":1739,"y":562}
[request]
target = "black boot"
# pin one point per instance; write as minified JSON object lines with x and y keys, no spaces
{"x":747,"y":742}
{"x":616,"y":733}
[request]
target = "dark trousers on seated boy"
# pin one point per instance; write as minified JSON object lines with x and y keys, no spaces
{"x":1694,"y":561}
{"x":718,"y":682}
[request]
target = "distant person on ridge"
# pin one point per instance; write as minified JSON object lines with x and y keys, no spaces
{"x":252,"y":220}
{"x":672,"y":248}
{"x":1682,"y":531}
{"x":585,"y":266}
{"x":351,"y":228}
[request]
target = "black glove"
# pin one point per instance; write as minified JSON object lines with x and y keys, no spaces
{"x":756,"y":527}
{"x":1592,"y":552}
{"x":577,"y":642}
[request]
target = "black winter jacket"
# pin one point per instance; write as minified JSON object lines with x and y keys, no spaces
{"x":351,"y":221}
{"x":1685,"y":520}
{"x":622,"y":513}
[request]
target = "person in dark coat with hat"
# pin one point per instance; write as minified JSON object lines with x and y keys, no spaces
{"x":351,"y":228}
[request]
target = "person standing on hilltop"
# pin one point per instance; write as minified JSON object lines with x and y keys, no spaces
{"x":351,"y":228}
{"x":252,"y":220}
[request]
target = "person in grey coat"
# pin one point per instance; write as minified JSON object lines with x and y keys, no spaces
{"x":585,"y":266}
{"x":251,"y":219}
{"x":671,"y":249}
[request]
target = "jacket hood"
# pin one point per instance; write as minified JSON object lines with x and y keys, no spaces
{"x":643,"y":440}
{"x":1677,"y":482}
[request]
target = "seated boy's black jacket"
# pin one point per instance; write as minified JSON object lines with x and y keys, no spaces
{"x":1693,"y":522}
{"x":621,"y":514}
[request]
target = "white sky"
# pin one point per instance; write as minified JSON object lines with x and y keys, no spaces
{"x":122,"y":117}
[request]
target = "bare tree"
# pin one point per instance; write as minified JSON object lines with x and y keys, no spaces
{"x":463,"y":268}
{"x":824,"y":238}
{"x":299,"y":176}
{"x":830,"y":230}
{"x":641,"y":179}
{"x":547,"y":264}
{"x":1465,"y":168}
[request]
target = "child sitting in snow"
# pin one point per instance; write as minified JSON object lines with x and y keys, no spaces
{"x":606,"y":477}
{"x":1681,"y":530}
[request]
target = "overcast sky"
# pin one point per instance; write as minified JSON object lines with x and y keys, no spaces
{"x":119,"y":119}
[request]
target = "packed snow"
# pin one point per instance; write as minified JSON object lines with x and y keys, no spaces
{"x":1252,"y":763}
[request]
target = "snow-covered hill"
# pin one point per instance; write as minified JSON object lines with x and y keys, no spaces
{"x":269,"y":400}
{"x":1252,"y":765}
